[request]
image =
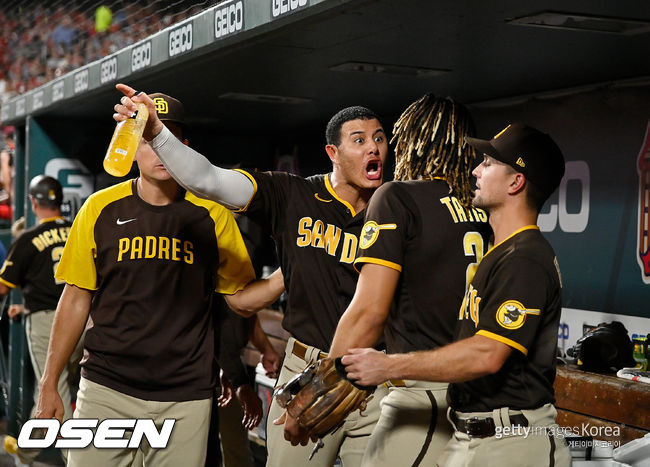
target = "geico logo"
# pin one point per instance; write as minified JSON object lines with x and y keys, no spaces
{"x":81,"y":81}
{"x":228,"y":19}
{"x":108,"y":70}
{"x":20,"y":107}
{"x":180,"y":40}
{"x":141,"y":56}
{"x":58,"y":91}
{"x":37,"y":101}
{"x":280,"y":7}
{"x":51,"y":237}
{"x":151,"y":247}
{"x":317,"y":234}
{"x":109,"y":433}
{"x":576,"y":172}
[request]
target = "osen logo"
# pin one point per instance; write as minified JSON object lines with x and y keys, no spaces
{"x":228,"y":19}
{"x":37,"y":100}
{"x":141,"y":56}
{"x":282,"y":7}
{"x":180,"y":40}
{"x":58,"y":91}
{"x":81,"y":81}
{"x":108,"y":70}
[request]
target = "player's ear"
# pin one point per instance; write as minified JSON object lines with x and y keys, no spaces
{"x":517,"y":183}
{"x":333,"y":153}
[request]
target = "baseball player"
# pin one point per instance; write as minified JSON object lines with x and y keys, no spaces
{"x":503,"y":365}
{"x":30,"y":265}
{"x":143,"y":259}
{"x":315,"y":223}
{"x":420,"y":243}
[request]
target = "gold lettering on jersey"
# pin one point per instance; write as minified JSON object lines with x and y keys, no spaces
{"x":460,"y":214}
{"x":332,"y":238}
{"x":317,"y":235}
{"x":122,"y":247}
{"x":304,"y":232}
{"x":349,"y":248}
{"x":136,"y":248}
{"x":163,"y":248}
{"x":51,"y":237}
{"x":470,"y":307}
{"x":149,"y":247}
{"x":188,"y":249}
{"x":152,"y":247}
{"x":176,"y":249}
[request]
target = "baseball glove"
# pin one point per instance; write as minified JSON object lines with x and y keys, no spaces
{"x":321,"y":397}
{"x":605,"y":348}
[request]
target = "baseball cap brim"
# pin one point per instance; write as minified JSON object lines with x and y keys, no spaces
{"x":483,"y":146}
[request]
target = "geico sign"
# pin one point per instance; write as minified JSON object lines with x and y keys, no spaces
{"x":37,"y":100}
{"x":141,"y":56}
{"x":180,"y":40}
{"x":228,"y":19}
{"x":108,"y":70}
{"x":20,"y":107}
{"x":78,"y":433}
{"x":570,"y":222}
{"x":280,"y":7}
{"x":58,"y":91}
{"x":81,"y":81}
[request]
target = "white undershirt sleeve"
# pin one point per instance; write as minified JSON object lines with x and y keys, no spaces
{"x":197,"y":175}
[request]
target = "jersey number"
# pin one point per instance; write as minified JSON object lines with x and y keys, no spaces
{"x":56,"y":257}
{"x":473,"y":245}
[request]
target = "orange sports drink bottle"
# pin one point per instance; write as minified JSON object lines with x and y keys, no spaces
{"x":127,"y":135}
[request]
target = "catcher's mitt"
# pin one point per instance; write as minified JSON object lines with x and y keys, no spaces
{"x":321,"y":396}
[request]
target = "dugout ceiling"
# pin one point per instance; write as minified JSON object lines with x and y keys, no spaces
{"x":285,"y":64}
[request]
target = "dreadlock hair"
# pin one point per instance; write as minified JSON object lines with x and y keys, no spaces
{"x":430,"y":143}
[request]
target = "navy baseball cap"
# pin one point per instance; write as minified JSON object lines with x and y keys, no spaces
{"x":46,"y":189}
{"x":528,"y":151}
{"x":168,"y":108}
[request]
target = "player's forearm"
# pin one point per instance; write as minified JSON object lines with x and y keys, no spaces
{"x":69,"y":323}
{"x":359,"y":327}
{"x":258,"y":337}
{"x":460,"y":361}
{"x":197,"y":174}
{"x":363,"y":322}
{"x":257,"y":295}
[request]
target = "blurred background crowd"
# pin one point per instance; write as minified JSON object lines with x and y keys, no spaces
{"x":41,"y":40}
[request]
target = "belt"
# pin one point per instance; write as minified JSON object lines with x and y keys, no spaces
{"x":483,"y":427}
{"x":395,"y":383}
{"x":300,"y":350}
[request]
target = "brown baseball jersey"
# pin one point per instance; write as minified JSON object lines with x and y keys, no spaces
{"x":515,"y":298}
{"x":316,"y":236}
{"x":32,"y":260}
{"x":153,"y":270}
{"x":420,"y":229}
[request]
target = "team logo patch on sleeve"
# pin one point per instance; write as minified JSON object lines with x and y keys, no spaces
{"x":512,"y":314}
{"x":370,"y":233}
